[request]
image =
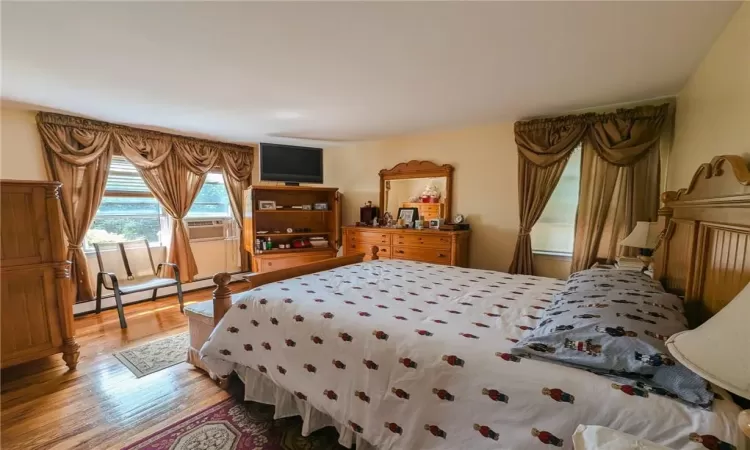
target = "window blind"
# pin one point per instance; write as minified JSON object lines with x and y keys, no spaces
{"x":124,"y":178}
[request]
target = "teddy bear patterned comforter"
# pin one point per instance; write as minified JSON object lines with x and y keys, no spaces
{"x":417,"y":356}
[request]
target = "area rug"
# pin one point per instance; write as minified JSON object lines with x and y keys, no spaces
{"x":236,"y":425}
{"x":155,"y":355}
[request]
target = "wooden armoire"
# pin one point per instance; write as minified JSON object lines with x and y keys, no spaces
{"x":36,"y":308}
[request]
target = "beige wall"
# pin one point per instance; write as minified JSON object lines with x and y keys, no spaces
{"x":21,"y":159}
{"x":713,"y":109}
{"x":20,"y":144}
{"x":485,"y":184}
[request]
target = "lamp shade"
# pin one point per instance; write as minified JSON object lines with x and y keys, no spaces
{"x":644,"y":235}
{"x":719,"y":350}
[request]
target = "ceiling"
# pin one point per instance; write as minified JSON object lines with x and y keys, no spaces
{"x":246,"y":72}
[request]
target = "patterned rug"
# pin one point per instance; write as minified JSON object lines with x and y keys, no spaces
{"x":155,"y":355}
{"x":235,"y":425}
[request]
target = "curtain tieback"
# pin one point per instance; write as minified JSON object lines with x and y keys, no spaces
{"x":75,"y":247}
{"x":523,"y":232}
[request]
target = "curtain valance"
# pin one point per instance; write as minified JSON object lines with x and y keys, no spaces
{"x":624,"y":137}
{"x":544,"y":142}
{"x":146,"y":149}
{"x":621,"y":138}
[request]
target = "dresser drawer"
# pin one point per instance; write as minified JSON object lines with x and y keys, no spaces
{"x":423,"y":240}
{"x":424,"y":254}
{"x":369,"y":237}
{"x":352,"y":249}
{"x":429,"y":209}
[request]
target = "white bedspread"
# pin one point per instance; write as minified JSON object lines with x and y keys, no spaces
{"x":414,"y":356}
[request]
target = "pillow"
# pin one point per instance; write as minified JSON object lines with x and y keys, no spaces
{"x":658,"y":300}
{"x":617,"y":334}
{"x":593,"y":437}
{"x":605,"y":279}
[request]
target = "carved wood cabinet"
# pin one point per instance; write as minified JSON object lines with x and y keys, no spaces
{"x":36,"y":291}
{"x":433,"y":246}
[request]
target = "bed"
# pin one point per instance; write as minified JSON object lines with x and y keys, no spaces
{"x":399,"y":354}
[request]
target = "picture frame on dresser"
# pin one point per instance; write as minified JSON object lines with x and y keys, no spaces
{"x":409,"y":215}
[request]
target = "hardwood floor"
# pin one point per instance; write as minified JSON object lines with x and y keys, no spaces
{"x":102,"y":405}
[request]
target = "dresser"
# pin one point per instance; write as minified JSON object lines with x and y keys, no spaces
{"x":433,"y":246}
{"x":36,"y":291}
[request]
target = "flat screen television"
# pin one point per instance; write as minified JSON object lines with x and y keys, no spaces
{"x":291,"y":164}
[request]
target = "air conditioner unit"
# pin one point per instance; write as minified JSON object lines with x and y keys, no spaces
{"x":203,"y":229}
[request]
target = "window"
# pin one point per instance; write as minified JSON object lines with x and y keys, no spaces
{"x":554,"y":232}
{"x":128,"y":210}
{"x":212,"y":200}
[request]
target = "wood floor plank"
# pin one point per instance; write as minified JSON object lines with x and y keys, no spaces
{"x":102,"y":405}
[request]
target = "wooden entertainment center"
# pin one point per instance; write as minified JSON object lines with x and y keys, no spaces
{"x":287,"y":222}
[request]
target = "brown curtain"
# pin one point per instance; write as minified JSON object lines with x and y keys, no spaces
{"x":536,"y":185}
{"x":544,"y":147}
{"x":599,"y":182}
{"x":79,"y":159}
{"x":237,"y":168}
{"x":620,"y":181}
{"x":174,"y":168}
{"x":176,"y":187}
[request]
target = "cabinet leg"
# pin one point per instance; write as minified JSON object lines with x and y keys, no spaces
{"x":71,"y":353}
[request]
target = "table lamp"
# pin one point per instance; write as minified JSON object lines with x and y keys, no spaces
{"x":719,"y":350}
{"x":645,"y":237}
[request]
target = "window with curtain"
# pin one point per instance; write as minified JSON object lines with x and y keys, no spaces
{"x":212,"y":200}
{"x":128,"y":210}
{"x":555,"y":230}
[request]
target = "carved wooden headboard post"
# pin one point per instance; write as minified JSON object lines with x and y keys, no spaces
{"x":704,"y":254}
{"x":665,"y":216}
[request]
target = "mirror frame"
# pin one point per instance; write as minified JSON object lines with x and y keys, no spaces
{"x":420,"y":169}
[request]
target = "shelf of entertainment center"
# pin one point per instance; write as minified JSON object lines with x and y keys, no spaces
{"x":297,"y":211}
{"x":277,"y":251}
{"x":306,"y":233}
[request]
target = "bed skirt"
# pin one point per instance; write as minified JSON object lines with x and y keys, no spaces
{"x":262,"y":390}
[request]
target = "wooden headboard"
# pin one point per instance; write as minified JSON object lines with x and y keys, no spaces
{"x":704,"y":254}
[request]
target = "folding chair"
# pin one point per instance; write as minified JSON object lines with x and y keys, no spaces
{"x":128,"y":267}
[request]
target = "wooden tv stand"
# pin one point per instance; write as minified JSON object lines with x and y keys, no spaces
{"x":304,"y":224}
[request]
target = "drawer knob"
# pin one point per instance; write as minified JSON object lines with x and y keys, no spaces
{"x":441,"y":255}
{"x":399,"y":251}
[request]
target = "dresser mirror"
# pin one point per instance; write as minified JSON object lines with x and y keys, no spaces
{"x":423,"y":185}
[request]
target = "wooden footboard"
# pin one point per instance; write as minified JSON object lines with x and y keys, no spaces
{"x":222,"y":295}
